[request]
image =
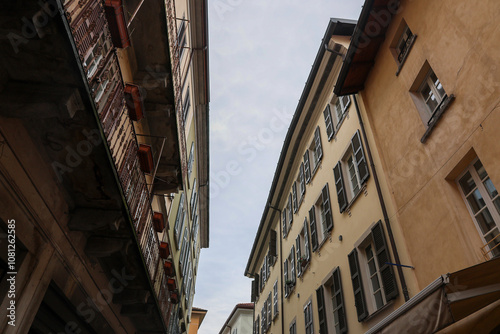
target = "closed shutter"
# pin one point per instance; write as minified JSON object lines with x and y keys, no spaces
{"x":262,"y":278}
{"x":327,"y":207}
{"x":275,"y":300}
{"x":328,"y":122}
{"x":256,"y":280}
{"x":256,"y":326}
{"x":297,"y":251}
{"x":290,"y":213}
{"x":307,"y":249}
{"x":294,"y":197}
{"x":359,"y":155}
{"x":321,"y":311}
{"x":307,"y":167}
{"x":283,"y":222}
{"x":285,"y":276}
{"x":268,"y":265}
{"x":338,"y":301}
{"x":254,"y":291}
{"x":357,"y":286}
{"x":318,"y":148}
{"x":312,"y":225}
{"x":383,"y":257}
{"x":292,"y":264}
{"x":339,"y":184}
{"x":269,"y":310}
{"x":302,"y":181}
{"x":272,"y":244}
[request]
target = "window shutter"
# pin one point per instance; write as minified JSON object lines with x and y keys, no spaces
{"x":257,"y":326}
{"x":339,"y":184}
{"x":307,"y":250}
{"x":297,"y":250}
{"x":312,"y":225}
{"x":272,"y":244}
{"x":262,"y":277}
{"x":359,"y":155}
{"x":285,"y":276}
{"x":327,"y":207}
{"x":275,"y":300}
{"x":338,"y":296}
{"x":256,"y":280}
{"x":283,"y":222}
{"x":302,"y":181}
{"x":268,"y":264}
{"x":263,"y":317}
{"x":346,"y":101}
{"x":292,"y":264}
{"x":317,"y":143}
{"x":321,"y":311}
{"x":307,"y":167}
{"x":290,"y":213}
{"x":357,"y":285}
{"x":294,"y":197}
{"x":383,"y":256}
{"x":254,"y":291}
{"x":328,"y":122}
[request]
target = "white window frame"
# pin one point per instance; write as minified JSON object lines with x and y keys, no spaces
{"x":407,"y":42}
{"x":308,"y":318}
{"x":427,"y":81}
{"x":347,"y":170}
{"x":364,"y":263}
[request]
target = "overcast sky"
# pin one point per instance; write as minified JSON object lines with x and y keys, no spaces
{"x":261,"y":52}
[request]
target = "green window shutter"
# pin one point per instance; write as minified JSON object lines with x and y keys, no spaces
{"x":294,"y":197}
{"x":283,"y":222}
{"x":272,"y":244}
{"x":383,"y":256}
{"x":328,"y":122}
{"x":298,"y":251}
{"x":292,"y":264}
{"x":307,"y":249}
{"x":339,"y":184}
{"x":323,"y":329}
{"x":302,"y":180}
{"x":255,"y":283}
{"x":317,"y":143}
{"x":346,"y":101}
{"x":327,"y":207}
{"x":307,"y":167}
{"x":359,"y":155}
{"x":285,"y":276}
{"x":357,"y":286}
{"x":256,"y":280}
{"x":290,"y":213}
{"x":312,"y":225}
{"x":338,"y":301}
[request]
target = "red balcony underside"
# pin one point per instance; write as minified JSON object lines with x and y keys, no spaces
{"x":134,"y":102}
{"x":168,"y":266}
{"x":171,"y":284}
{"x":158,"y":222}
{"x":174,"y":297}
{"x":145,"y":158}
{"x":164,"y":251}
{"x":117,"y":24}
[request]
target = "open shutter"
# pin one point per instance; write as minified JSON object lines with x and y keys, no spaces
{"x":268,"y":264}
{"x":317,"y":143}
{"x":323,"y":329}
{"x":307,"y":249}
{"x":294,"y":197}
{"x":292,"y":264}
{"x":346,"y":101}
{"x":338,"y":300}
{"x":285,"y":276}
{"x":257,"y":285}
{"x":307,"y":167}
{"x":386,"y":271}
{"x":256,"y":326}
{"x":302,"y":181}
{"x":283,"y":222}
{"x":290,"y":213}
{"x":339,"y":184}
{"x":254,"y":290}
{"x":357,"y":286}
{"x":272,"y":244}
{"x":269,"y":309}
{"x":312,"y":225}
{"x":297,"y":251}
{"x":327,"y":207}
{"x":328,"y":122}
{"x":357,"y":149}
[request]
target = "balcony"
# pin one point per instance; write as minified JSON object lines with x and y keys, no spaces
{"x":117,"y":24}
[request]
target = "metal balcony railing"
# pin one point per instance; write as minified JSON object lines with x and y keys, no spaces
{"x":492,"y":248}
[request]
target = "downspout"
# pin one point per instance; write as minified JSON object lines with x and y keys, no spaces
{"x":382,"y":204}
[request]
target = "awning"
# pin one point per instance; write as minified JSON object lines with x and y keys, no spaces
{"x":469,"y":298}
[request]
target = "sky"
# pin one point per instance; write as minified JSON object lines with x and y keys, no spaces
{"x":261,"y":53}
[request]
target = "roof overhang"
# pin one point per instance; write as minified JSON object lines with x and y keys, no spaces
{"x":368,"y":35}
{"x":449,"y":302}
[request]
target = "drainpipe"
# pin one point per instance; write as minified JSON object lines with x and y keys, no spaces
{"x":382,"y":204}
{"x":281,"y":268}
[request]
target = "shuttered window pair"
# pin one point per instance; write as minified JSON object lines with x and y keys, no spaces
{"x":383,"y":270}
{"x":325,"y":210}
{"x":289,"y":272}
{"x":302,"y":248}
{"x":341,"y":105}
{"x":357,"y":173}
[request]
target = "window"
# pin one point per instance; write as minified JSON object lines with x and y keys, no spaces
{"x":339,"y":317}
{"x":289,"y":272}
{"x":401,"y":44}
{"x":369,"y":263}
{"x":289,"y":211}
{"x":185,"y":254}
{"x":320,"y":297}
{"x":342,"y":104}
{"x":193,"y":203}
{"x":275,"y":299}
{"x":352,"y":167}
{"x":483,"y":202}
{"x":190,"y":161}
{"x":269,"y":310}
{"x":432,"y":92}
{"x":294,"y":197}
{"x":263,"y":315}
{"x":181,"y":37}
{"x":186,"y":105}
{"x":316,"y":149}
{"x":302,"y":249}
{"x":328,"y":122}
{"x":307,"y":167}
{"x":283,"y":222}
{"x":293,"y":328}
{"x":235,"y":331}
{"x":256,"y":326}
{"x":179,"y":220}
{"x":320,"y":218}
{"x":308,"y":317}
{"x":302,"y":182}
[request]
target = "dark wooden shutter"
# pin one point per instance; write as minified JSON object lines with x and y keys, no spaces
{"x":283,"y":221}
{"x":317,"y":143}
{"x":346,"y":101}
{"x":290,"y":213}
{"x":312,"y":225}
{"x":327,"y":207}
{"x":285,"y":276}
{"x":323,"y":329}
{"x":256,"y":280}
{"x":302,"y":181}
{"x":357,"y":286}
{"x":307,"y":167}
{"x":272,"y":244}
{"x":297,"y":251}
{"x":328,"y":122}
{"x":254,"y":290}
{"x":307,"y":247}
{"x":294,"y":197}
{"x":292,"y":264}
{"x":383,"y":256}
{"x":359,"y":155}
{"x":339,"y":184}
{"x":338,"y":296}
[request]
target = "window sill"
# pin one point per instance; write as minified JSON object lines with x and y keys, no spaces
{"x":337,"y":128}
{"x":400,"y":65}
{"x":315,"y":169}
{"x":377,"y":312}
{"x":437,"y":116}
{"x":351,"y":203}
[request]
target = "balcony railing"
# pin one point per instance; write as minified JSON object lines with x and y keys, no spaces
{"x":492,"y":248}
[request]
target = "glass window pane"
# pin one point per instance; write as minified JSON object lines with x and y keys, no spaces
{"x":476,"y":201}
{"x":480,"y":169}
{"x":467,"y":183}
{"x":490,"y":188}
{"x":375,"y":283}
{"x":368,"y":251}
{"x":485,"y":221}
{"x":497,"y":204}
{"x":372,"y":267}
{"x":437,"y":84}
{"x":378,"y":300}
{"x":431,"y":102}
